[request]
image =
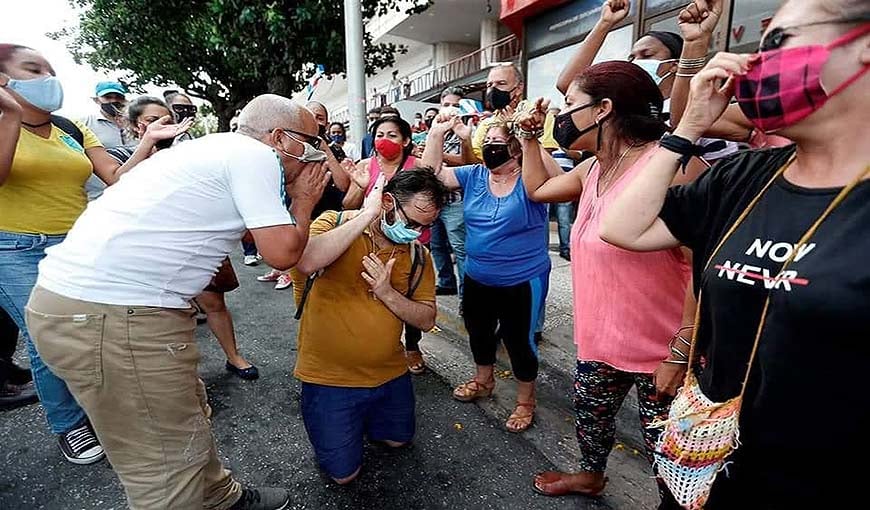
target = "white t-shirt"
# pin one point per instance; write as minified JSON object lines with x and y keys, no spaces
{"x":157,"y":237}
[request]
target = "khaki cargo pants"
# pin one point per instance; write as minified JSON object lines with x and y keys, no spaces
{"x":133,"y":370}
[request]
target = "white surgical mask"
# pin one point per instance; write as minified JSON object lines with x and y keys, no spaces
{"x":651,"y":66}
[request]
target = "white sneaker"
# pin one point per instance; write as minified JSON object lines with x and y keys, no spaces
{"x":252,"y":260}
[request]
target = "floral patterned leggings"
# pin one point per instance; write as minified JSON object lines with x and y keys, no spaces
{"x":599,"y":390}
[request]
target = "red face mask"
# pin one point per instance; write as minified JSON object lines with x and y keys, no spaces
{"x":784,"y":86}
{"x":388,"y":148}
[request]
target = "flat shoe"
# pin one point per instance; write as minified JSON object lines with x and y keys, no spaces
{"x":249,"y":374}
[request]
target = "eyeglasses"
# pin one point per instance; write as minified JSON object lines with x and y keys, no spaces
{"x":778,"y":36}
{"x":184,"y":108}
{"x":314,"y":141}
{"x":413,"y":225}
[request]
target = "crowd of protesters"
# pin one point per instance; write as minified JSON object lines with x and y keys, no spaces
{"x":715,"y":258}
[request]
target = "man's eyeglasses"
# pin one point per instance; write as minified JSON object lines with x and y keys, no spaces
{"x":314,"y":141}
{"x":413,"y":225}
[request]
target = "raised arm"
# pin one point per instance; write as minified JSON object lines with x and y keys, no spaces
{"x":282,"y":245}
{"x":339,"y":174}
{"x":542,"y":183}
{"x":359,"y":181}
{"x":10,"y":129}
{"x":697,"y":23}
{"x":322,"y":250}
{"x":633,"y":222}
{"x":107,"y":168}
{"x":612,"y":12}
{"x":433,"y":154}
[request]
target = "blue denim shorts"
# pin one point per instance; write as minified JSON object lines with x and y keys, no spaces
{"x":338,"y":419}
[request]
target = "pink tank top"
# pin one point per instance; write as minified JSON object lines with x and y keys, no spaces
{"x":626,"y":304}
{"x":375,"y":171}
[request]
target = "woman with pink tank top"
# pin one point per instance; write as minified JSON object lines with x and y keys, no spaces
{"x":627,"y":306}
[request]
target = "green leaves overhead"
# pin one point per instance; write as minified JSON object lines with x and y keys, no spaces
{"x":224,"y":51}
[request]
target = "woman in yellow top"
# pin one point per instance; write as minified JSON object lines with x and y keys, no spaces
{"x":43,"y":169}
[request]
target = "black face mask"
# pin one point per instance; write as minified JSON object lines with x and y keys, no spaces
{"x":565,"y":132}
{"x":183,"y":111}
{"x":428,"y":121}
{"x":495,"y":155}
{"x":112,"y":109}
{"x":497,"y":99}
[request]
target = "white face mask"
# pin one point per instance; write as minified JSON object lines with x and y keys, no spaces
{"x":309,"y":153}
{"x":651,"y":66}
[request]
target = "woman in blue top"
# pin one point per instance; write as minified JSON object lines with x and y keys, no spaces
{"x":507,"y":267}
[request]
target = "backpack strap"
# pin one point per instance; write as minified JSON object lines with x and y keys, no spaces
{"x":69,"y":127}
{"x":309,"y":282}
{"x":418,"y":265}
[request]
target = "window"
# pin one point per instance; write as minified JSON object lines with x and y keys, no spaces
{"x":657,"y":6}
{"x":544,"y":70}
{"x":748,"y":24}
{"x":570,"y":21}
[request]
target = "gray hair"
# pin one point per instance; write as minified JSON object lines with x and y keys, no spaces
{"x":515,"y":68}
{"x":268,"y":112}
{"x":452,"y":91}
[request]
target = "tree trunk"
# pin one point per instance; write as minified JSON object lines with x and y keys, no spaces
{"x":225,"y":113}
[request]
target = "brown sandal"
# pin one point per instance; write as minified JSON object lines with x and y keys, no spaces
{"x":416,"y":364}
{"x":525,"y":419}
{"x":473,"y":390}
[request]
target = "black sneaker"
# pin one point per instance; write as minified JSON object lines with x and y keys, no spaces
{"x":267,"y":498}
{"x":17,"y":395}
{"x":80,"y":445}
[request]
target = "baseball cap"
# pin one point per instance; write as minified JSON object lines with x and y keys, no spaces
{"x":110,"y":87}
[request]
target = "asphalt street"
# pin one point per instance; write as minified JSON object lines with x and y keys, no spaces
{"x":461,"y":458}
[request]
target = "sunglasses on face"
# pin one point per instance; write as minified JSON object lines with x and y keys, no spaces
{"x":314,"y":141}
{"x":413,"y":225}
{"x":181,"y":109}
{"x":777,"y":37}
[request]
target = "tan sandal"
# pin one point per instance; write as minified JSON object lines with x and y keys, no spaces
{"x":524,"y":419}
{"x":416,"y":363}
{"x":473,"y":390}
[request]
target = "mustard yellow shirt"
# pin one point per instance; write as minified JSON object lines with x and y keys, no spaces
{"x":45,"y":190}
{"x":348,"y":338}
{"x":547,"y":140}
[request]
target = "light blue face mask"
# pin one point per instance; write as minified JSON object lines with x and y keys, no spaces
{"x":43,"y":93}
{"x":651,"y":66}
{"x":398,"y":232}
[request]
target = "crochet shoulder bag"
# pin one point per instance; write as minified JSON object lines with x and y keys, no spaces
{"x":700,"y":434}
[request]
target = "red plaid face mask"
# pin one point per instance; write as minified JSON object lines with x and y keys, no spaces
{"x":784,"y":86}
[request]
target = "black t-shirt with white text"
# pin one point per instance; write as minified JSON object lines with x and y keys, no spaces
{"x":806,"y":409}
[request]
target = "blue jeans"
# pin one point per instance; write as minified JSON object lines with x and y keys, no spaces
{"x":337,"y":420}
{"x":564,"y":217}
{"x":249,"y":248}
{"x":19,"y":256}
{"x":449,"y":233}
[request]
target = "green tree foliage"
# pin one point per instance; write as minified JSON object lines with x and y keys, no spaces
{"x":224,"y":51}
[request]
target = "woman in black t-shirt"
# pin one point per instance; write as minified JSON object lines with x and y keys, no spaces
{"x":805,"y":410}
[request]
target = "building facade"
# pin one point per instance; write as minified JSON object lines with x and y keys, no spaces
{"x":551,"y":29}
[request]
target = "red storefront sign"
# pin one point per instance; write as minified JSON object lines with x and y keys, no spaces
{"x":513,"y":12}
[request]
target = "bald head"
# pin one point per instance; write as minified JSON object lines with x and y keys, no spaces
{"x":268,"y":112}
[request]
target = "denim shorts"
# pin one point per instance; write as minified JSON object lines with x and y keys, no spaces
{"x":338,"y":419}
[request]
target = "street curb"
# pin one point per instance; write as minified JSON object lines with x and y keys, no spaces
{"x":631,"y":483}
{"x":561,"y":364}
